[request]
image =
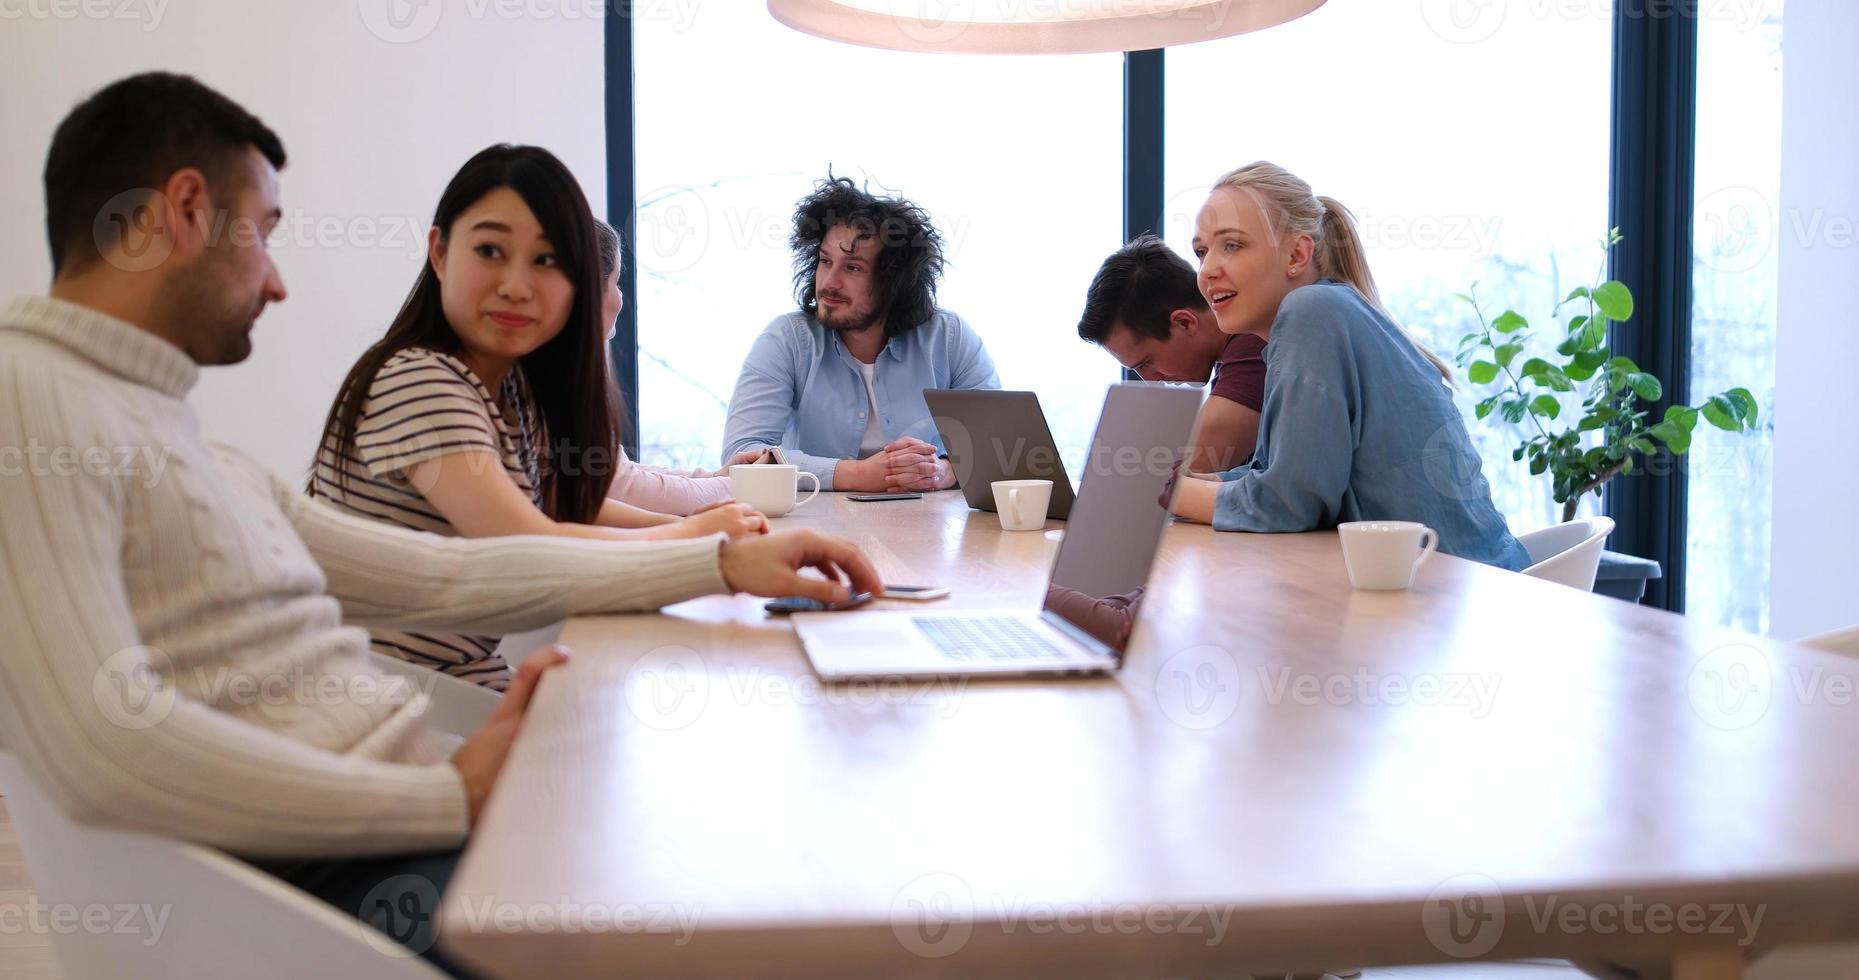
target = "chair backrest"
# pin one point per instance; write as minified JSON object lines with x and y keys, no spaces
{"x":1569,"y":553}
{"x":1844,"y":641}
{"x":178,"y":910}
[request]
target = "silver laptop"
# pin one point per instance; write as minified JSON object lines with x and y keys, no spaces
{"x":1095,"y":592}
{"x":998,"y":435}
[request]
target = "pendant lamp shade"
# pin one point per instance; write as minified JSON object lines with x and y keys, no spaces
{"x":1032,"y":26}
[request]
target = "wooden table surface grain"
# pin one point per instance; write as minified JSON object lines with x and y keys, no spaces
{"x":1286,"y":773}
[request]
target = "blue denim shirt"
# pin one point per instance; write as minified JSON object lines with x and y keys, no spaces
{"x":1356,"y":426}
{"x":800,"y":389}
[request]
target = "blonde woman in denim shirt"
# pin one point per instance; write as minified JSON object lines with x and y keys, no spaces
{"x":1358,"y":421}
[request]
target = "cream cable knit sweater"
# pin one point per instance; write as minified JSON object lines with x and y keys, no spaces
{"x":173,"y":653}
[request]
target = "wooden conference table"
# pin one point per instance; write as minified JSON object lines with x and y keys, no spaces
{"x":1286,"y":774}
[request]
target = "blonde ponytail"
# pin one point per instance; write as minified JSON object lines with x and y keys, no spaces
{"x":1292,"y":209}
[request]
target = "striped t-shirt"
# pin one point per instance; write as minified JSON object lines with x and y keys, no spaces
{"x":421,"y":405}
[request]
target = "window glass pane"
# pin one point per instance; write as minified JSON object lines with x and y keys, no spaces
{"x":1736,"y":241}
{"x":1017,"y":160}
{"x":1470,"y":140}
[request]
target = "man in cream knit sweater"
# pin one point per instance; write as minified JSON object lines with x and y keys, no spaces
{"x":182,"y":653}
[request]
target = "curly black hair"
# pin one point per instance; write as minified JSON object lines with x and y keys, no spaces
{"x":910,"y":256}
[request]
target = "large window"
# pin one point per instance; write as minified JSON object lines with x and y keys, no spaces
{"x":1470,"y":140}
{"x":1017,"y":160}
{"x":1736,"y":242}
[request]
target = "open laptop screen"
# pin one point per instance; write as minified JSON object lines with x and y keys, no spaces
{"x":1118,"y":519}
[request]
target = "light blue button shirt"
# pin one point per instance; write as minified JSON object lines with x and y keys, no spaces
{"x":1356,"y":426}
{"x":800,"y":389}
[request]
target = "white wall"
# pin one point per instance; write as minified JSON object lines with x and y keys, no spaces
{"x":373,"y":127}
{"x":1815,"y":580}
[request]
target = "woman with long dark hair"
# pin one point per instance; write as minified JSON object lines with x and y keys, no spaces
{"x":488,"y":408}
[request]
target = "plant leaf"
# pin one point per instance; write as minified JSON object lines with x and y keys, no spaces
{"x":1482,"y":372}
{"x":1513,"y":410}
{"x":1593,"y":334}
{"x":1484,"y":407}
{"x":1552,"y":377}
{"x":1746,"y":401}
{"x":1646,"y":386}
{"x":1508,"y":353}
{"x":1722,"y":413}
{"x":1675,"y":436}
{"x":1510,"y":321}
{"x":1546,"y":406}
{"x":1613,"y":299}
{"x":1684,"y":415}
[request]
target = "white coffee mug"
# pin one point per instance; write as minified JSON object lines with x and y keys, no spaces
{"x":1385,"y":554}
{"x":1022,"y":503}
{"x":769,"y":487}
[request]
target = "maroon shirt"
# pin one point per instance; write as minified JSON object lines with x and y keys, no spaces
{"x":1241,"y":373}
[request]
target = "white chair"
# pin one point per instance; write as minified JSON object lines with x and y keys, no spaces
{"x":1569,"y":553}
{"x":1844,"y":641}
{"x":223,"y":917}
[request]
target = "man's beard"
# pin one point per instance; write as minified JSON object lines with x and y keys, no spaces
{"x":209,"y":312}
{"x":847,"y":322}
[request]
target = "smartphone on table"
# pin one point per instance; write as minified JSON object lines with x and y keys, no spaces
{"x":869,"y":497}
{"x":796,"y":603}
{"x":914,"y":593}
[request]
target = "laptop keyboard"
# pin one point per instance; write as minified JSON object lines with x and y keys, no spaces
{"x":986,"y":637}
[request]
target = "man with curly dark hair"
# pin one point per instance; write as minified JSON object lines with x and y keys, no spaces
{"x":838,"y":384}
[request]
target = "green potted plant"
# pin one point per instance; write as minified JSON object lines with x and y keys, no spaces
{"x":1611,"y":433}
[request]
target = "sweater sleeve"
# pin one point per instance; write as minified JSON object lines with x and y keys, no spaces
{"x":666,"y":491}
{"x":101,"y":722}
{"x":392,"y":577}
